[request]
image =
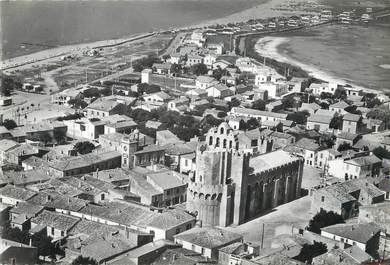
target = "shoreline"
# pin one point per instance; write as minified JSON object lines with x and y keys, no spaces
{"x":268,"y":47}
{"x":47,"y":54}
{"x":260,"y":11}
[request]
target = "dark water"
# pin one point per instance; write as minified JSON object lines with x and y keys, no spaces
{"x":359,"y":54}
{"x":69,"y":22}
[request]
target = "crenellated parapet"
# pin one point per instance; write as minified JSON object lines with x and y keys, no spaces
{"x":198,"y":190}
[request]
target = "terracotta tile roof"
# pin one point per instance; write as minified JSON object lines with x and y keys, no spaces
{"x":16,"y":193}
{"x":170,"y":219}
{"x":357,"y":232}
{"x":208,"y":237}
{"x":351,"y":117}
{"x":57,"y":220}
{"x":26,"y":208}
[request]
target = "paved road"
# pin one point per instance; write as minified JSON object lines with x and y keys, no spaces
{"x":175,"y":43}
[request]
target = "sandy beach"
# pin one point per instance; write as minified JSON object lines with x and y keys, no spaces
{"x":54,"y":53}
{"x":268,"y":47}
{"x":261,"y":11}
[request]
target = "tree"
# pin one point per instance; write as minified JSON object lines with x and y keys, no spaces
{"x":80,"y":260}
{"x":41,"y":241}
{"x":324,"y":105}
{"x":380,"y":113}
{"x":252,"y":123}
{"x":92,"y":92}
{"x":340,"y":93}
{"x":140,"y":115}
{"x":288,"y":102}
{"x":326,"y":95}
{"x":185,"y":133}
{"x":258,"y":104}
{"x":242,"y":125}
{"x":221,"y":114}
{"x":15,"y":234}
{"x":9,"y":124}
{"x":336,"y":122}
{"x":208,"y":122}
{"x":169,"y":118}
{"x":323,"y":219}
{"x":308,"y":98}
{"x":299,"y":117}
{"x":353,"y":109}
{"x":166,"y":57}
{"x":219,"y":72}
{"x":235,"y":102}
{"x":308,"y":252}
{"x":327,"y":140}
{"x":143,"y":63}
{"x":344,"y":146}
{"x":175,"y":68}
{"x":371,"y":100}
{"x":77,"y":103}
{"x":44,"y":244}
{"x":148,"y":89}
{"x":199,"y":69}
{"x":70,"y":117}
{"x":84,"y":147}
{"x":381,"y":152}
{"x":8,"y":84}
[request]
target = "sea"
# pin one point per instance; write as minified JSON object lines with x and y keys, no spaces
{"x":71,"y":22}
{"x":358,"y":54}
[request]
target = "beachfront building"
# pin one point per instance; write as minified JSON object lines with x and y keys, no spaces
{"x":318,"y":88}
{"x":275,"y":90}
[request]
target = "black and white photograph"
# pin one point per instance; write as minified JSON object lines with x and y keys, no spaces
{"x":195,"y":132}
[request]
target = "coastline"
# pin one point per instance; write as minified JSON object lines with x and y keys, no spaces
{"x":62,"y":50}
{"x":260,"y":11}
{"x":268,"y":47}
